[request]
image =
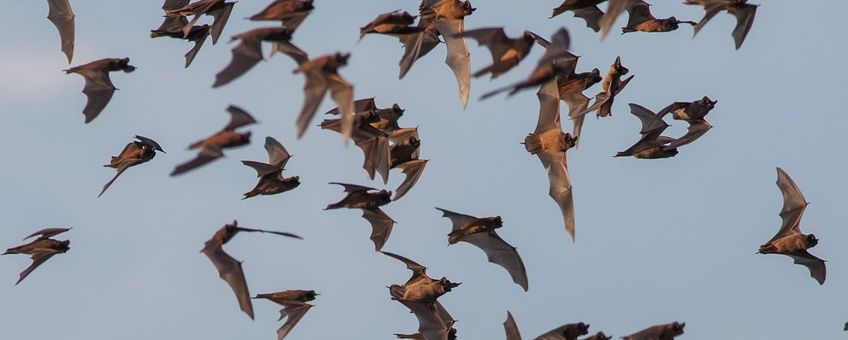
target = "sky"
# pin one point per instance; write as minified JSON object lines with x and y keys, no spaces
{"x":657,"y":240}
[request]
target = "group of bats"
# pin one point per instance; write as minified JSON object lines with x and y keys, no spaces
{"x":386,"y":145}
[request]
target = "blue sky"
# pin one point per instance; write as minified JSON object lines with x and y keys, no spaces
{"x":657,"y":240}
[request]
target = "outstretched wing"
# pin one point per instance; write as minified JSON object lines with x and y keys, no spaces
{"x":359,"y":106}
{"x":47,"y":233}
{"x":549,"y":115}
{"x":458,"y":57}
{"x":638,"y":13}
{"x":494,"y":38}
{"x":277,"y":153}
{"x":62,"y":16}
{"x":816,"y":265}
{"x":98,"y":89}
{"x":592,"y":15}
{"x":238,"y":118}
{"x":353,"y":187}
{"x":744,"y":20}
{"x":650,"y":121}
{"x":206,"y":155}
{"x":221,"y":15}
{"x":560,"y":185}
{"x":418,"y":271}
{"x":711,"y":9}
{"x":458,"y":220}
{"x":230,"y":271}
{"x":313,"y":93}
{"x":293,"y":311}
{"x":794,"y":204}
{"x":434,"y":322}
{"x":262,"y":169}
{"x":614,"y":9}
{"x":198,"y":43}
{"x":696,"y":130}
{"x":342,"y":93}
{"x":501,"y":253}
{"x":413,"y":171}
{"x":121,"y":170}
{"x":511,"y":328}
{"x":381,"y":226}
{"x":416,"y":46}
{"x":38,"y":257}
{"x":376,"y":151}
{"x":246,"y":55}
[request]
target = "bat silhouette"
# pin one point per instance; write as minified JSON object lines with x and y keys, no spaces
{"x":404,"y":155}
{"x":360,"y":197}
{"x":789,"y":240}
{"x":248,"y":52}
{"x":566,"y":332}
{"x":555,"y":61}
{"x":689,"y":111}
{"x":373,"y":142}
{"x":481,"y":233}
{"x":658,"y":332}
{"x":61,"y":15}
{"x":321,"y":76}
{"x":290,"y":12}
{"x":506,"y":52}
{"x":271,"y":179}
{"x":219,"y":9}
{"x":741,"y":9}
{"x":136,"y":152}
{"x":614,"y":9}
{"x":98,"y":87}
{"x":641,"y":20}
{"x":211,"y":147}
{"x":585,"y":9}
{"x":394,"y":23}
{"x":612,"y":86}
{"x":294,"y":304}
{"x":41,"y":249}
{"x":652,"y":145}
{"x":551,"y":144}
{"x":229,"y":268}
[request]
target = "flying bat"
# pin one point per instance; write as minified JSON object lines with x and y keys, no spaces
{"x":394,"y":23}
{"x":658,"y":332}
{"x":404,"y":154}
{"x":361,"y":197}
{"x":271,"y":179}
{"x":789,"y":240}
{"x":294,"y":304}
{"x":420,"y":287}
{"x":136,"y":152}
{"x":652,"y":145}
{"x":741,"y":9}
{"x":98,"y":87}
{"x":506,"y":52}
{"x":612,"y":86}
{"x":569,"y":331}
{"x":219,"y":9}
{"x":211,"y":147}
{"x":62,"y":16}
{"x":248,"y":52}
{"x":614,"y":9}
{"x":641,"y":20}
{"x":434,"y":322}
{"x":41,"y":249}
{"x":481,"y":233}
{"x":322,"y":75}
{"x":551,"y":144}
{"x":373,"y":142}
{"x":229,"y":268}
{"x":290,"y":12}
{"x":585,"y":9}
{"x":689,"y":111}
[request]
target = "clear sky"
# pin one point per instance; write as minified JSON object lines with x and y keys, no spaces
{"x":657,"y":240}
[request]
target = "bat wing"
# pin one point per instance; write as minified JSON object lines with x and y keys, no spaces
{"x":592,"y":15}
{"x":98,"y":89}
{"x":814,"y":264}
{"x":416,"y":46}
{"x":744,"y":20}
{"x":313,"y":93}
{"x":38,"y":257}
{"x":294,"y":311}
{"x":171,"y":5}
{"x":578,"y":106}
{"x":277,"y":153}
{"x":794,"y":205}
{"x":434,"y":323}
{"x":418,"y":271}
{"x":458,"y":57}
{"x":376,"y":151}
{"x":198,"y":43}
{"x":560,"y":185}
{"x":238,"y":118}
{"x":549,"y":117}
{"x":62,"y":16}
{"x":614,"y":9}
{"x":558,"y":48}
{"x":353,"y":187}
{"x":246,"y":55}
{"x":501,"y":253}
{"x":650,"y":121}
{"x":381,"y":226}
{"x":262,"y":169}
{"x":230,"y":271}
{"x":206,"y":155}
{"x":221,"y":15}
{"x":696,"y":130}
{"x":494,"y":38}
{"x":289,"y":49}
{"x":413,"y":171}
{"x":293,"y":22}
{"x":342,"y":93}
{"x":653,"y":332}
{"x":511,"y":328}
{"x":47,"y":233}
{"x":710,"y":11}
{"x":359,"y":106}
{"x":639,"y":12}
{"x":252,"y":230}
{"x":458,"y":220}
{"x":121,"y":170}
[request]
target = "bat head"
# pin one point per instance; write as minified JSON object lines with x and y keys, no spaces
{"x":64,"y":246}
{"x":340,"y":59}
{"x":467,"y":8}
{"x":383,"y":197}
{"x":408,"y":18}
{"x":124,"y":65}
{"x":447,"y":285}
{"x":568,"y":141}
{"x":707,"y":103}
{"x":494,"y":222}
{"x":309,"y":295}
{"x":619,"y":68}
{"x":671,"y":23}
{"x":677,"y":328}
{"x":812,"y":241}
{"x":244,"y":138}
{"x":596,"y":76}
{"x":308,"y":5}
{"x":294,"y":180}
{"x":397,"y":110}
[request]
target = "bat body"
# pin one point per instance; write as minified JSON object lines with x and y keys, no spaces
{"x":136,"y":152}
{"x":229,"y":268}
{"x":641,"y":20}
{"x":585,"y":9}
{"x":248,"y":52}
{"x":612,"y":86}
{"x":41,"y":249}
{"x":741,"y":9}
{"x":212,"y":146}
{"x":506,"y":52}
{"x":62,"y":16}
{"x":394,"y":23}
{"x":361,"y":197}
{"x":481,"y":233}
{"x":555,"y":61}
{"x":658,"y":332}
{"x":550,"y":144}
{"x":98,"y":86}
{"x":789,"y":240}
{"x":565,"y":332}
{"x":690,"y":111}
{"x":219,"y":9}
{"x":290,"y":12}
{"x":294,"y":304}
{"x":321,"y":76}
{"x":271,"y":179}
{"x":387,"y":118}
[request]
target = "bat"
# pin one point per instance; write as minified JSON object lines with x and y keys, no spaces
{"x":585,"y":9}
{"x":612,"y":86}
{"x":212,"y":146}
{"x":394,"y":23}
{"x":641,"y":20}
{"x":420,"y":287}
{"x":434,"y":322}
{"x":652,"y":145}
{"x":506,"y":52}
{"x":361,"y":197}
{"x":510,"y":328}
{"x":61,"y":15}
{"x":290,"y":12}
{"x":294,"y":307}
{"x":271,"y":179}
{"x":219,"y":10}
{"x":566,"y":332}
{"x":658,"y":332}
{"x":689,"y":111}
{"x":614,"y":9}
{"x":248,"y":52}
{"x":741,"y":9}
{"x":98,"y":87}
{"x":136,"y":152}
{"x":789,"y":240}
{"x":373,"y":142}
{"x":229,"y":269}
{"x":551,"y":144}
{"x":481,"y":233}
{"x":41,"y":249}
{"x":571,"y":90}
{"x":321,"y":76}
{"x":404,"y":155}
{"x":387,"y":118}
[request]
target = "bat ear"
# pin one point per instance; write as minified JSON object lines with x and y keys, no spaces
{"x":618,"y":61}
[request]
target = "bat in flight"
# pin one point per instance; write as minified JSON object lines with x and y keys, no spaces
{"x":612,"y":85}
{"x":388,"y":117}
{"x":641,"y":20}
{"x":362,"y":197}
{"x":565,"y":332}
{"x":394,"y":23}
{"x":271,"y":179}
{"x":290,"y":12}
{"x":585,"y":9}
{"x":404,"y":154}
{"x":98,"y":86}
{"x":481,"y":233}
{"x":294,"y":304}
{"x":741,"y":9}
{"x":229,"y":268}
{"x":219,"y":9}
{"x":658,"y":332}
{"x":506,"y":52}
{"x":61,"y":15}
{"x":211,"y":147}
{"x":789,"y":240}
{"x":173,"y":27}
{"x":248,"y":52}
{"x":137,"y":152}
{"x":41,"y":249}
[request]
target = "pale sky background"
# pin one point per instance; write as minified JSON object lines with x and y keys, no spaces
{"x":657,"y":240}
